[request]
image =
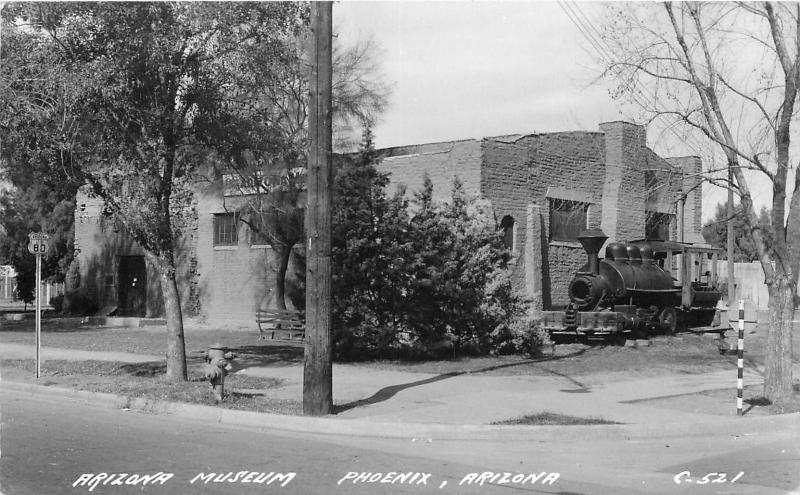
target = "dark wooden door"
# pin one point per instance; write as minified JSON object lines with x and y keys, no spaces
{"x":132,"y":286}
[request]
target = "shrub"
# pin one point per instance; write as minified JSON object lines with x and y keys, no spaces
{"x":78,"y":302}
{"x":461,"y":285}
{"x":427,"y":281}
{"x":369,"y":259}
{"x":57,"y":303}
{"x":524,"y":335}
{"x":72,"y":279}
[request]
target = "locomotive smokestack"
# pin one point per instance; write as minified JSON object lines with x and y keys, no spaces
{"x":592,"y":240}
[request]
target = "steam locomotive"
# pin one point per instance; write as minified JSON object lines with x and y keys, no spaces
{"x":631,"y":293}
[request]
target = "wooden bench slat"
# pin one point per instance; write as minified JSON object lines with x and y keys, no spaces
{"x":280,"y":320}
{"x":287,"y":317}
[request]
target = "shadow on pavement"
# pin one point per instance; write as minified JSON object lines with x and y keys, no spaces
{"x":271,"y":355}
{"x":387,"y":393}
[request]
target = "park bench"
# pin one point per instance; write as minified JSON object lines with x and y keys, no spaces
{"x":286,"y":322}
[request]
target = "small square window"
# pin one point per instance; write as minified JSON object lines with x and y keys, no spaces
{"x":225,"y":229}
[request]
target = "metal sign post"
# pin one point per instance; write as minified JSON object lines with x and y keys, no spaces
{"x":748,"y":318}
{"x":740,"y":360}
{"x":37,"y":245}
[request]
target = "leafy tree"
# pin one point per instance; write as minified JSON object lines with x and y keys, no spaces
{"x":42,"y":181}
{"x":13,"y":248}
{"x":143,"y":89}
{"x":34,"y":210}
{"x":727,"y":74}
{"x":715,"y":232}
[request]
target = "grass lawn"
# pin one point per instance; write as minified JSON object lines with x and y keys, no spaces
{"x":71,"y":334}
{"x":147,"y":380}
{"x":549,"y":418}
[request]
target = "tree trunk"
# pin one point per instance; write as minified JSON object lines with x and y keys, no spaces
{"x":176,"y":346}
{"x":778,"y":366}
{"x":282,"y":255}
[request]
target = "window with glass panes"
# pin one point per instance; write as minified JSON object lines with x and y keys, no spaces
{"x":225,"y":229}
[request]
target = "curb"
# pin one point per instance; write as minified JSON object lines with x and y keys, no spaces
{"x":416,"y":431}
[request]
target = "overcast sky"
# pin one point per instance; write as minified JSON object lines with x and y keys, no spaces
{"x":474,"y":69}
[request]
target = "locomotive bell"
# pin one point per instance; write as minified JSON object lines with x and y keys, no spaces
{"x":592,"y":240}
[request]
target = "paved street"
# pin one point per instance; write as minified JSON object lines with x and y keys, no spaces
{"x":50,"y":443}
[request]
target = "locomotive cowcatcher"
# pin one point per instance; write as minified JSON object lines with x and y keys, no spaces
{"x":631,"y":293}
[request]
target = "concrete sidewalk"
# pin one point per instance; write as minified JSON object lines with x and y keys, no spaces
{"x":477,"y":399}
{"x":392,"y":403}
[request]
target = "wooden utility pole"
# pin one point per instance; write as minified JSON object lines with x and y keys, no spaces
{"x":318,"y":370}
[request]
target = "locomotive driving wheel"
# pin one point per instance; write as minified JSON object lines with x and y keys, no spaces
{"x":668,"y":319}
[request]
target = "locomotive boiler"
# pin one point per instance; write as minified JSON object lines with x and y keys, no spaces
{"x":631,"y":292}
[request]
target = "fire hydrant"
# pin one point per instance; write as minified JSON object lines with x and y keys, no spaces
{"x":218,"y":363}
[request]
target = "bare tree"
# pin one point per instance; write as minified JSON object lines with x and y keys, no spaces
{"x":727,"y":75}
{"x":268,"y":164}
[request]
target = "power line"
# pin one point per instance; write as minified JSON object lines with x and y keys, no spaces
{"x":689,"y":139}
{"x":587,"y":29}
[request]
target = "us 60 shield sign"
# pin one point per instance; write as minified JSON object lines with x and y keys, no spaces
{"x":37,"y":243}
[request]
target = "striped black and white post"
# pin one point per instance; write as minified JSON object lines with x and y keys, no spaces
{"x":740,"y":360}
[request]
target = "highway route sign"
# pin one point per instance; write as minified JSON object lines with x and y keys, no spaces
{"x":37,"y":243}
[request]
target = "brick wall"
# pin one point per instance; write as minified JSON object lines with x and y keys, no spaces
{"x":442,"y":162}
{"x":624,"y":191}
{"x":234,"y":281}
{"x":531,"y":170}
{"x":99,"y":244}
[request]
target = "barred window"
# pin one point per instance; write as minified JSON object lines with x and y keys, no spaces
{"x":657,"y":225}
{"x":225,"y":229}
{"x":567,"y":219}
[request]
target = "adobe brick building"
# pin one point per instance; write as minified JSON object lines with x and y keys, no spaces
{"x":543,"y":188}
{"x":546,"y":188}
